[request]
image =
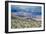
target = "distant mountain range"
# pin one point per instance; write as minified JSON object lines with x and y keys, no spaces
{"x":37,"y":18}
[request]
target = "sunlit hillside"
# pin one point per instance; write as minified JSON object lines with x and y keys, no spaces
{"x":19,"y":22}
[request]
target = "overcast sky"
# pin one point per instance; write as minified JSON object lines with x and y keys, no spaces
{"x":26,"y":10}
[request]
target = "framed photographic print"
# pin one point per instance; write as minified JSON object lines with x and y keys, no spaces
{"x":24,"y":16}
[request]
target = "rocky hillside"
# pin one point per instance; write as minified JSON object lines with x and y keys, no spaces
{"x":19,"y":22}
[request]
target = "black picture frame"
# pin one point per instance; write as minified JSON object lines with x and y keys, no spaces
{"x":6,"y":16}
